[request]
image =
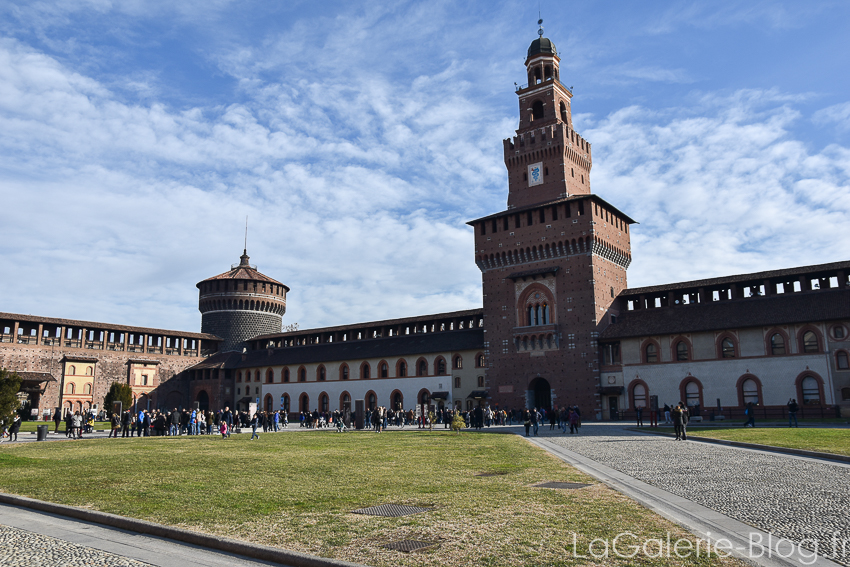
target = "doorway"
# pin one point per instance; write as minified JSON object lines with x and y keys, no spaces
{"x":541,"y":394}
{"x":613,"y":408}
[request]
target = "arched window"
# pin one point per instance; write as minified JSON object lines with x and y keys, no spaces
{"x":269,"y":376}
{"x":810,"y":342}
{"x":544,"y":314}
{"x":365,"y":371}
{"x":302,"y":374}
{"x":371,"y":401}
{"x":286,"y":374}
{"x":564,"y":117}
{"x":479,"y":361}
{"x":320,"y":374}
{"x":256,"y":376}
{"x":639,"y":393}
{"x":440,"y":366}
{"x":651,"y":352}
{"x":682,"y":351}
{"x":89,"y":371}
{"x":531,"y":313}
{"x":481,"y":381}
{"x":692,"y":393}
{"x":537,"y":110}
{"x":239,"y":376}
{"x":323,"y":402}
{"x":402,"y":368}
{"x":811,"y":390}
{"x":397,"y":401}
{"x":777,"y":344}
{"x":69,"y":389}
{"x":72,"y":371}
{"x":343,"y":372}
{"x":750,"y":391}
{"x":344,"y":401}
{"x":841,"y":360}
{"x":305,"y":403}
{"x":422,"y":368}
{"x":385,"y":370}
{"x":285,"y":402}
{"x":269,"y":402}
{"x":458,"y":362}
{"x":727,"y":348}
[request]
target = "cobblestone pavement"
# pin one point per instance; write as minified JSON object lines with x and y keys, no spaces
{"x":803,"y":500}
{"x":20,"y":548}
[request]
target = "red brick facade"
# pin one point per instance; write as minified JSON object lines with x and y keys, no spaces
{"x":553,"y":262}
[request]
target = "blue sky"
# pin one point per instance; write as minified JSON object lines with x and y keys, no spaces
{"x":359,"y":137}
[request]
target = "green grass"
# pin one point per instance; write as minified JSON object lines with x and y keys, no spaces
{"x":296,"y":490}
{"x":811,"y":439}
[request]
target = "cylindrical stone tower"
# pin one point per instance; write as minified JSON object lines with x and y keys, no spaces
{"x":241,"y":304}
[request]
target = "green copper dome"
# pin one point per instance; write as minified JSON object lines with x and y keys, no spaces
{"x":541,"y":45}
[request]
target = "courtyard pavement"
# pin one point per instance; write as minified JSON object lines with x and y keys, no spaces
{"x":759,"y":500}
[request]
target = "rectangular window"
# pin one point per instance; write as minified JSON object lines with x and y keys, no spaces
{"x":482,"y":228}
{"x":555,"y":213}
{"x":495,"y":226}
{"x":542,"y":216}
{"x":580,"y":208}
{"x":505,"y":223}
{"x":529,"y":219}
{"x":457,"y":381}
{"x":516,"y":221}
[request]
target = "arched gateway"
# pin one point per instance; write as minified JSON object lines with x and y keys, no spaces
{"x":539,"y":394}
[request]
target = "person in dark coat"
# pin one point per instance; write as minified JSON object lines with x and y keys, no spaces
{"x":16,"y":426}
{"x":526,"y":420}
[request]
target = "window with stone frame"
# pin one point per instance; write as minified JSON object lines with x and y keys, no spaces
{"x":727,"y":348}
{"x":810,"y":342}
{"x":777,"y":344}
{"x":682,"y":351}
{"x":841,"y":360}
{"x":811,"y":391}
{"x":651,"y":353}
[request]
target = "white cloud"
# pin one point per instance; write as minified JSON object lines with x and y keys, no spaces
{"x":837,"y":115}
{"x":729,"y":191}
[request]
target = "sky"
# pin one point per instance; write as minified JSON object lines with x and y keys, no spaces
{"x":359,"y":137}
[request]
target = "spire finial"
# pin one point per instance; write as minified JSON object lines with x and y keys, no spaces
{"x":245,"y":250}
{"x":540,"y":23}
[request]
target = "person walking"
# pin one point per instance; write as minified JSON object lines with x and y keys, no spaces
{"x":750,"y":412}
{"x":15,"y":427}
{"x":639,"y":412}
{"x":573,"y":422}
{"x":526,"y":420}
{"x":255,"y":423}
{"x":57,"y":419}
{"x":667,"y":415}
{"x":535,"y":420}
{"x":676,"y":415}
{"x":223,"y":429}
{"x":115,"y":422}
{"x":792,"y":412}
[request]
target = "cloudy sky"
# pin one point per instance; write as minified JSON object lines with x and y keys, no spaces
{"x":358,"y":137}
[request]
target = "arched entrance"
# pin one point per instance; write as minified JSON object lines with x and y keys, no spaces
{"x":203,"y":400}
{"x":539,"y":394}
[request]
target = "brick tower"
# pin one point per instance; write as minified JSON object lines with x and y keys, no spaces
{"x":554,"y":261}
{"x":240,"y":304}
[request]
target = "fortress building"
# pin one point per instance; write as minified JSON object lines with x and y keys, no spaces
{"x":240,"y":304}
{"x":558,"y":325}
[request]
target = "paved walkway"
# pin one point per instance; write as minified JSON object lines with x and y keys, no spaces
{"x":749,"y":495}
{"x":30,"y":538}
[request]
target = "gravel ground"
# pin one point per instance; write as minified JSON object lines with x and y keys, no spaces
{"x":19,"y":548}
{"x":782,"y":495}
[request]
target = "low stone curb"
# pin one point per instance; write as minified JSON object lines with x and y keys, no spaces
{"x":252,"y":550}
{"x":741,"y":444}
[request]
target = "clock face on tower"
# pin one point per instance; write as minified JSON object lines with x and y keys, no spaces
{"x":535,"y":174}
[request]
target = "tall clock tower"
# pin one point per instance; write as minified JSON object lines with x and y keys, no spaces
{"x":553,"y":261}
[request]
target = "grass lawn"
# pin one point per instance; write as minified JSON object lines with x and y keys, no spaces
{"x":296,"y":491}
{"x":811,"y":439}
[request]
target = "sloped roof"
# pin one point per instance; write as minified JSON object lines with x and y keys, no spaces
{"x":782,"y":309}
{"x":243,"y":271}
{"x":739,"y":278}
{"x":388,"y":347}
